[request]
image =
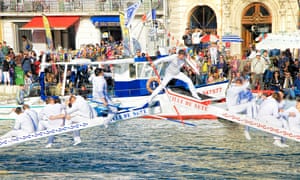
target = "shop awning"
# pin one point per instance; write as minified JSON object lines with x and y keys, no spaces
{"x":103,"y":21}
{"x":56,"y":22}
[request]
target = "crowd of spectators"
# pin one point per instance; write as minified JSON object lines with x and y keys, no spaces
{"x":265,"y":70}
{"x":23,"y":67}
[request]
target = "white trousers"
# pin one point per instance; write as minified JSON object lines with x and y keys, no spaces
{"x":168,"y":77}
{"x":6,"y":77}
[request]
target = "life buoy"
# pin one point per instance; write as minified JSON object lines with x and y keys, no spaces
{"x":150,"y":86}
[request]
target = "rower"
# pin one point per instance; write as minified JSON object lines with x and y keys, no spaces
{"x":51,"y":116}
{"x":78,"y":110}
{"x":32,"y":114}
{"x":239,"y":99}
{"x":23,"y":125}
{"x":293,"y":116}
{"x":269,"y":113}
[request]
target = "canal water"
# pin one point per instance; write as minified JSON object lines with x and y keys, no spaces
{"x":154,"y":149}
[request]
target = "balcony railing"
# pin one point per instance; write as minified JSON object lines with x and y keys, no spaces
{"x":74,"y":6}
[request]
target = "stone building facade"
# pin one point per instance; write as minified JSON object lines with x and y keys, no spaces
{"x":234,"y":17}
{"x":245,"y":18}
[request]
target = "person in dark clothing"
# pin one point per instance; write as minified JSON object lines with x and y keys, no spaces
{"x":26,"y":63}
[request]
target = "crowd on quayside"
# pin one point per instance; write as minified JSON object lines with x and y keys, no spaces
{"x":266,"y":70}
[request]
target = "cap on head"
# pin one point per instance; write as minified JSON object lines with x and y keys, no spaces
{"x":257,"y":54}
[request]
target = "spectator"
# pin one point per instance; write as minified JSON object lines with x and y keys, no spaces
{"x":187,"y":39}
{"x":27,"y":45}
{"x":288,"y":86}
{"x":5,"y":69}
{"x":257,"y":70}
{"x":26,"y":63}
{"x":5,"y":48}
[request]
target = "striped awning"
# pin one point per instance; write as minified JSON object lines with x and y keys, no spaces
{"x":232,"y":38}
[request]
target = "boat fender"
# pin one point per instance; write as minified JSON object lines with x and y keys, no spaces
{"x":150,"y":86}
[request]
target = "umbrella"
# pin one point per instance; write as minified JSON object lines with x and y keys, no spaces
{"x":231,"y":38}
{"x":209,"y":38}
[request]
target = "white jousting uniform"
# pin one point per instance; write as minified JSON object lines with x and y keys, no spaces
{"x":293,"y":121}
{"x":80,"y":110}
{"x":235,"y":105}
{"x":269,"y":112}
{"x":99,"y":88}
{"x":173,"y":72}
{"x":46,"y":112}
{"x":23,"y":126}
{"x":33,"y":116}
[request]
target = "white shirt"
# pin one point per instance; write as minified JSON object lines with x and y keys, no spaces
{"x":196,"y":37}
{"x":294,"y":122}
{"x":99,"y":87}
{"x":33,"y":116}
{"x":258,"y":66}
{"x":269,"y":107}
{"x":80,"y":108}
{"x":52,"y":110}
{"x":232,"y":93}
{"x":24,"y":123}
{"x":174,"y":65}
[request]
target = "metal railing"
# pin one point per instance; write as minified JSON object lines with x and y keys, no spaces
{"x":74,"y":6}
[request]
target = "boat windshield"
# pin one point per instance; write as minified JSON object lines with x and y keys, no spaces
{"x":144,"y":70}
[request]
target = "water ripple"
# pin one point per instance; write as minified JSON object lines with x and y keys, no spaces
{"x":145,"y":149}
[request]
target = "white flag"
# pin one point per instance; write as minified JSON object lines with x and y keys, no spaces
{"x":130,"y":13}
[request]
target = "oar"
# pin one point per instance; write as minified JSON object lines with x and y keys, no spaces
{"x":158,"y":76}
{"x":111,"y":105}
{"x":247,"y":121}
{"x":172,"y":120}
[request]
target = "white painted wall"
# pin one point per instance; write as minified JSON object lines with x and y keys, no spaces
{"x":8,"y":33}
{"x":87,"y":33}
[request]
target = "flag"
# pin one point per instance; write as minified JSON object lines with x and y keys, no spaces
{"x":130,"y":13}
{"x":147,"y":17}
{"x":153,"y":14}
{"x":125,"y":36}
{"x":49,"y":40}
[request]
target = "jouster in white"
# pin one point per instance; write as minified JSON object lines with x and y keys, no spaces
{"x":173,"y":72}
{"x":100,"y":94}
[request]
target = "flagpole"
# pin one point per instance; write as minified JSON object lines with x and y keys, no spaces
{"x":165,"y":6}
{"x":154,"y":28}
{"x":221,"y":34}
